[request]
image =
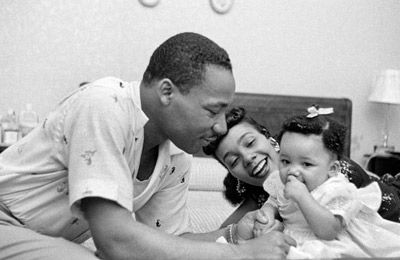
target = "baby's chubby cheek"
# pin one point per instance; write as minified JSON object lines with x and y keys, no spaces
{"x":283,"y":176}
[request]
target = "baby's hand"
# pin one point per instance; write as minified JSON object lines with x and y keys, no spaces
{"x":294,"y":188}
{"x":263,"y":223}
{"x":259,"y":231}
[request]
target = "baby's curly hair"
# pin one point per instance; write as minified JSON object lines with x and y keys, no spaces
{"x":183,"y":59}
{"x":333,"y":133}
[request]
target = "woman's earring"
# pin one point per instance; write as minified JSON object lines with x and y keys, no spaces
{"x":274,"y":144}
{"x":240,"y":188}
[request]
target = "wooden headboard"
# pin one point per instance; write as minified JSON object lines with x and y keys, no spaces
{"x":271,"y":110}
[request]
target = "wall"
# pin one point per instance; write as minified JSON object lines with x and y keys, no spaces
{"x":303,"y":47}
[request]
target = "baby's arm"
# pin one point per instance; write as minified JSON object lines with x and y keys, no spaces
{"x":324,"y":224}
{"x":265,"y":219}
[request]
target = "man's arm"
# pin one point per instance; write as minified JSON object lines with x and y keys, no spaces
{"x":118,"y":236}
{"x":209,"y":236}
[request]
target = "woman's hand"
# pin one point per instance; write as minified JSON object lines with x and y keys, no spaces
{"x":274,"y":245}
{"x":255,"y":223}
{"x":265,"y":222}
{"x":259,"y":231}
{"x":245,"y":226}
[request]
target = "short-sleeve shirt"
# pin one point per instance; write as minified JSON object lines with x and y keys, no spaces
{"x":90,"y":146}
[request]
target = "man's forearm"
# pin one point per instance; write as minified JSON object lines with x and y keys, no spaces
{"x":118,"y":236}
{"x":143,"y":242}
{"x":209,"y":236}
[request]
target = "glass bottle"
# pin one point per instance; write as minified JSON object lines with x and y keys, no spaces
{"x":9,"y":125}
{"x":28,"y":119}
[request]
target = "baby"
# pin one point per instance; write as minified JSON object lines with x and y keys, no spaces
{"x":318,"y":206}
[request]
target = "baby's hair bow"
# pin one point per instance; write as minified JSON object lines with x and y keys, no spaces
{"x":315,"y":111}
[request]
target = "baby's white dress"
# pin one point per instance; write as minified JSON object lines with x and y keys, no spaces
{"x":365,"y":232}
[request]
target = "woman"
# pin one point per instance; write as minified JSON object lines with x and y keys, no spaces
{"x":251,"y":154}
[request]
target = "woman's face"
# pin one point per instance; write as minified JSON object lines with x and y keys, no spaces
{"x":248,"y":154}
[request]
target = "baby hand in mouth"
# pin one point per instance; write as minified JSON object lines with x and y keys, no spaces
{"x":294,"y":187}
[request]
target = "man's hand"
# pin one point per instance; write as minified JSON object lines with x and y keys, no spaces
{"x":274,"y":245}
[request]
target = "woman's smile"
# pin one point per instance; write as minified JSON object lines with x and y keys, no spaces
{"x":261,"y":169}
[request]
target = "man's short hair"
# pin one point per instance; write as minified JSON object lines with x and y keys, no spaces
{"x":183,"y":59}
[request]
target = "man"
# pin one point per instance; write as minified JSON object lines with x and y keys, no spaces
{"x":108,"y":152}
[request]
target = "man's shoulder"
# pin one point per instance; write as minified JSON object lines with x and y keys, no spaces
{"x":116,"y":83}
{"x":108,"y":81}
{"x":117,"y":88}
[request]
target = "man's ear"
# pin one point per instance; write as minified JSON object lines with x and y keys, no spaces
{"x":166,"y":91}
{"x":334,"y":169}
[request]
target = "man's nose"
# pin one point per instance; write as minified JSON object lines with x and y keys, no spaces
{"x":220,"y":127}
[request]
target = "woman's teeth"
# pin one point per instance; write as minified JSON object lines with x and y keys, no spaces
{"x":257,"y":170}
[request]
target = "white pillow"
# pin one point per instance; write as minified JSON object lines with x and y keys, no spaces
{"x":207,"y":174}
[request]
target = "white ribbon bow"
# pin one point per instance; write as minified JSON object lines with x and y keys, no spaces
{"x":314,"y":111}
